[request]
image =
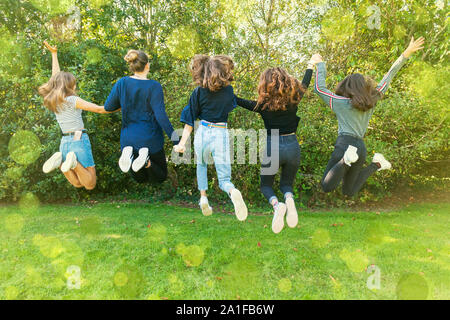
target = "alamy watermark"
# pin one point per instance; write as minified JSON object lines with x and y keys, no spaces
{"x":232,"y":146}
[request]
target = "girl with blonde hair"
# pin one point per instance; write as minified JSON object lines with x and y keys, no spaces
{"x":75,"y":157}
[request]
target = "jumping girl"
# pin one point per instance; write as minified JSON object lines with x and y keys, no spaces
{"x":279,"y":96}
{"x":353,"y":103}
{"x":143,"y":120}
{"x":211,"y":102}
{"x":75,"y":148}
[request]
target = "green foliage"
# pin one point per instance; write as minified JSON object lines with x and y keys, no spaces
{"x":410,"y":126}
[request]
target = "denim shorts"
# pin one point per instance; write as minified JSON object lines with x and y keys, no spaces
{"x":82,"y":149}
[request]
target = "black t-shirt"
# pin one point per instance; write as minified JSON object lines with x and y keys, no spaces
{"x":285,"y":121}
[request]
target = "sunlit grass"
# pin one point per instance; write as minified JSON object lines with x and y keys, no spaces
{"x":154,"y":251}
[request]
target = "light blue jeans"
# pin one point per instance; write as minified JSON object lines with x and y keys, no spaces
{"x":215,"y":142}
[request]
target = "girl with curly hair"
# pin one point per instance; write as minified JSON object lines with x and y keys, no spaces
{"x":211,"y":102}
{"x":278,"y":97}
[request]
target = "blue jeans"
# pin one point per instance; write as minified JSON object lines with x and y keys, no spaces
{"x":82,"y":149}
{"x":288,"y":160}
{"x":213,"y":141}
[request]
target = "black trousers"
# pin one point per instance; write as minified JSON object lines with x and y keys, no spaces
{"x":156,"y":173}
{"x":289,"y":161}
{"x":353,"y":177}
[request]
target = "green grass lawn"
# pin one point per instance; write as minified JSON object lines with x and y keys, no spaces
{"x":151,"y":251}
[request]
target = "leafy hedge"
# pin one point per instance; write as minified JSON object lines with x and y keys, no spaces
{"x":410,"y":126}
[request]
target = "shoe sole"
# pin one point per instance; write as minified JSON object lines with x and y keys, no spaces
{"x":68,"y":164}
{"x":125,"y":159}
{"x":278,"y":218}
{"x":140,"y":161}
{"x":240,"y":208}
{"x":52,"y":163}
{"x":292,"y":216}
{"x":206,"y":209}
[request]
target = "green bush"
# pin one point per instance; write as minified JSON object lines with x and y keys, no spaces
{"x":410,"y":126}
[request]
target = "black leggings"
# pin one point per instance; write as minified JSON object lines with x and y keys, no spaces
{"x":156,"y":173}
{"x":353,"y":177}
{"x":289,"y":161}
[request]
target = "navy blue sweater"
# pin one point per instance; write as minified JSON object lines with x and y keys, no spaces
{"x":143,"y":113}
{"x":212,"y":106}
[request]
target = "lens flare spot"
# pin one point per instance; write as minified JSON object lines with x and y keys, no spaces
{"x":320,"y":238}
{"x":355,"y":260}
{"x":156,"y":233}
{"x":284,"y":285}
{"x":120,"y":279}
{"x":129,"y":281}
{"x":53,"y":6}
{"x":14,"y":223}
{"x":14,"y":173}
{"x":24,"y":147}
{"x":94,"y":55}
{"x":29,"y":203}
{"x":192,"y":255}
{"x":183,"y":42}
{"x":338,"y":25}
{"x":412,"y":287}
{"x":11,"y":293}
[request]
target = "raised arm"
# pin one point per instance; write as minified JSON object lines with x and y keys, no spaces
{"x":414,"y":46}
{"x":55,"y":63}
{"x":320,"y":84}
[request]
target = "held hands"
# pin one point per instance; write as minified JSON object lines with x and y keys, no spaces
{"x":316,"y":58}
{"x":180,"y":148}
{"x":50,"y":48}
{"x":414,"y":45}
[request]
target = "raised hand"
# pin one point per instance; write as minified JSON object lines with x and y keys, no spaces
{"x":316,"y":58}
{"x":414,"y":45}
{"x":52,"y":49}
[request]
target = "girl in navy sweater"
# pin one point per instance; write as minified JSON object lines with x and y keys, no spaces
{"x":144,"y":119}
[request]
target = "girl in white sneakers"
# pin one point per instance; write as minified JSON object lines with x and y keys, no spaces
{"x":353,"y":103}
{"x":75,"y":154}
{"x":143,"y":120}
{"x":211,"y":102}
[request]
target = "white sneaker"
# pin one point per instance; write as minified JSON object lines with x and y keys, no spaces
{"x":278,"y":217}
{"x":350,"y":156}
{"x":52,"y":163}
{"x":141,"y":160}
{"x":70,"y":162}
{"x":379,"y":158}
{"x":126,"y":159}
{"x":292,"y":216}
{"x":240,"y":208}
{"x":204,"y":205}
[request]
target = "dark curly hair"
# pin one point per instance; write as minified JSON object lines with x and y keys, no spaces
{"x":277,"y":90}
{"x":213,"y":73}
{"x":360,"y":90}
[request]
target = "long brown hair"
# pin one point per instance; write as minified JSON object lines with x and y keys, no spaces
{"x":277,"y":89}
{"x":60,"y":86}
{"x":360,"y":90}
{"x":137,"y":60}
{"x":213,"y":73}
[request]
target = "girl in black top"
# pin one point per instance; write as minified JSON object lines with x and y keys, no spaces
{"x":279,"y":96}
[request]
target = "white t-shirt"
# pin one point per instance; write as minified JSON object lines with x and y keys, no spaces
{"x":69,"y":117}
